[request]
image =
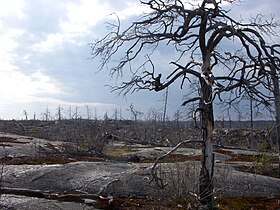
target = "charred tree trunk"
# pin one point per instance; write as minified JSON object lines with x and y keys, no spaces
{"x":207,"y":125}
{"x":276,"y":93}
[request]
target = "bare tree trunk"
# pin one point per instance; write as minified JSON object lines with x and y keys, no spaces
{"x":229,"y":117}
{"x":251,"y":113}
{"x":276,"y":92}
{"x":165,"y":105}
{"x":207,"y":162}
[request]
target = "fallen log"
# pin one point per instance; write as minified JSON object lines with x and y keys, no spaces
{"x":77,"y":196}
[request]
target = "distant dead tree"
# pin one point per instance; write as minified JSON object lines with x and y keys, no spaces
{"x":59,"y":113}
{"x":223,"y":54}
{"x":105,"y":117}
{"x":135,"y":113}
{"x":177,"y":117}
{"x":99,"y":142}
{"x":120,"y":114}
{"x":89,"y":114}
{"x":46,"y":114}
{"x":239,"y":112}
{"x":115,"y":114}
{"x":76,"y":115}
{"x":95,"y":114}
{"x":25,"y":114}
{"x":70,"y":112}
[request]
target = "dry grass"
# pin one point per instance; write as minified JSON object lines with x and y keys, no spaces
{"x":119,"y":151}
{"x":241,"y":157}
{"x":249,"y":202}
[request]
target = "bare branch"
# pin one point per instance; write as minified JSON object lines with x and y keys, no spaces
{"x":157,"y":179}
{"x":190,"y":100}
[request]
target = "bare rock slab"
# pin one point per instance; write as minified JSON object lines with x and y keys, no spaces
{"x":8,"y":202}
{"x":91,"y":177}
{"x":104,"y":178}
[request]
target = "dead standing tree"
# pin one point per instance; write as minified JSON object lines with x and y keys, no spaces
{"x":270,"y":69}
{"x":198,"y":34}
{"x":274,"y":75}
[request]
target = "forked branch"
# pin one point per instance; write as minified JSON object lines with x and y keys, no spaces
{"x":158,"y":180}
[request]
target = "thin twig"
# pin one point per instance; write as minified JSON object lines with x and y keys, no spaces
{"x":157,"y":179}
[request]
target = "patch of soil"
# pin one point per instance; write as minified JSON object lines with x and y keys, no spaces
{"x":7,"y":139}
{"x":242,"y":157}
{"x":109,"y":202}
{"x":61,"y":159}
{"x":173,"y":158}
{"x":143,"y":202}
{"x":224,"y":203}
{"x":271,"y":172}
{"x":139,"y":203}
{"x":119,"y":151}
{"x":34,"y":160}
{"x":50,"y":159}
{"x":247,"y":202}
{"x":266,"y":170}
{"x":4,"y":139}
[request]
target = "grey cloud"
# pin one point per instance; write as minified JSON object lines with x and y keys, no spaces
{"x":247,"y":9}
{"x":41,"y":19}
{"x":68,"y":67}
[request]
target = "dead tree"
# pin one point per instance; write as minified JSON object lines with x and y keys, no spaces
{"x":135,"y":113}
{"x":270,"y":72}
{"x":198,"y":34}
{"x":25,"y":114}
{"x":276,"y":93}
{"x":59,"y":113}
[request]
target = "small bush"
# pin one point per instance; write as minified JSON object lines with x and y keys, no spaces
{"x":263,"y":161}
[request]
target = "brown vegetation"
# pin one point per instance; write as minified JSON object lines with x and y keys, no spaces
{"x":127,"y":148}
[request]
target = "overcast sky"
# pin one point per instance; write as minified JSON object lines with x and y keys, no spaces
{"x":44,"y":56}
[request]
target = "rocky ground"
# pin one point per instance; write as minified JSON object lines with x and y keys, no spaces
{"x":59,"y":175}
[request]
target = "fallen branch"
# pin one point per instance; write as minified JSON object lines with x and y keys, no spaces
{"x":23,"y":192}
{"x":157,"y":179}
{"x":78,"y":197}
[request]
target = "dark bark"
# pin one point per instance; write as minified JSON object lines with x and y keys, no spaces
{"x":251,"y":113}
{"x":207,"y":163}
{"x":276,"y":93}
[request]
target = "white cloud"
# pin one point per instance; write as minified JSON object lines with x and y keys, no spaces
{"x":87,"y":14}
{"x":8,"y":44}
{"x":17,"y":87}
{"x":80,"y":20}
{"x":81,"y":17}
{"x":134,"y":8}
{"x":57,"y":102}
{"x":12,"y":8}
{"x":51,"y":42}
